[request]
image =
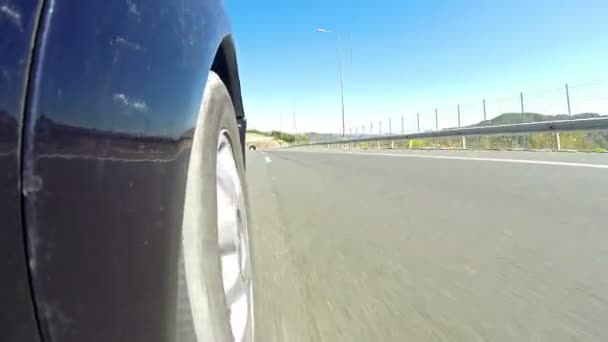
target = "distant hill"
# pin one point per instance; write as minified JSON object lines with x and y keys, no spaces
{"x":580,"y":140}
{"x":321,"y":137}
{"x":515,"y":118}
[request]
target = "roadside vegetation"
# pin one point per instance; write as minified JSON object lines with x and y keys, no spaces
{"x":282,"y":136}
{"x":587,"y":141}
{"x":569,"y":141}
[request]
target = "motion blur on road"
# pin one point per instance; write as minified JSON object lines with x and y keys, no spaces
{"x":427,"y":170}
{"x":429,"y":246}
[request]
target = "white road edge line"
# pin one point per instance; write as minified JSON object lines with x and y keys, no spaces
{"x":268,"y":160}
{"x":499,"y":160}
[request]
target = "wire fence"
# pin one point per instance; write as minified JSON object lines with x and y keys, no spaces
{"x":570,"y":101}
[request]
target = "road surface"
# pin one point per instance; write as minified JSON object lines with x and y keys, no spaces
{"x":422,"y":246}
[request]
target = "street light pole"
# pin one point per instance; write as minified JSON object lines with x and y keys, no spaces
{"x":341,"y":75}
{"x":295,"y":130}
{"x":341,"y":89}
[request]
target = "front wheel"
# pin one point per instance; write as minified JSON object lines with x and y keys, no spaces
{"x":215,"y":290}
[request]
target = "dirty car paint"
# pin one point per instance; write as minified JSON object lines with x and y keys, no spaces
{"x":115,"y":96}
{"x":17,"y":26}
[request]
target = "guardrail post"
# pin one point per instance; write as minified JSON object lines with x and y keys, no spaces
{"x":558,"y":143}
{"x":411,"y":144}
{"x":393,"y":144}
{"x":464,"y":142}
{"x":378,"y":144}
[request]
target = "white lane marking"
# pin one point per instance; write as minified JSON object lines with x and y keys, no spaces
{"x":470,"y":269}
{"x":268,"y":160}
{"x":499,"y":160}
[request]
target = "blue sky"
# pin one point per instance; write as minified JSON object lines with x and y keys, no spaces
{"x":402,"y":57}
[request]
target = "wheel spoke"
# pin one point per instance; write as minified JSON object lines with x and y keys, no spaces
{"x":238,"y":290}
{"x":227,"y":248}
{"x":230,"y":271}
{"x":226,"y":187}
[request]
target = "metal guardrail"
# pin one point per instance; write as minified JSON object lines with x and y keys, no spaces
{"x":600,"y":123}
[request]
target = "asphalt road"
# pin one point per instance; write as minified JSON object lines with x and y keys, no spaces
{"x":355,"y":247}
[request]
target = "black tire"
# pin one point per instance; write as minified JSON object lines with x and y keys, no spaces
{"x":202,"y":310}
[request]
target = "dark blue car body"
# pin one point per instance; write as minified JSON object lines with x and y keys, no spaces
{"x":98,"y":102}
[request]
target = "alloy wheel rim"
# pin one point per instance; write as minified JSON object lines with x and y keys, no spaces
{"x":233,"y":241}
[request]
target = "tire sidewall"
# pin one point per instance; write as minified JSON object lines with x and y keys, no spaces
{"x":216,"y":115}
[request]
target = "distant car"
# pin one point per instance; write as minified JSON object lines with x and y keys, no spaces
{"x":123,"y":203}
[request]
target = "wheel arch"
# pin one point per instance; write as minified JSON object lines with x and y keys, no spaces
{"x":226,"y":67}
